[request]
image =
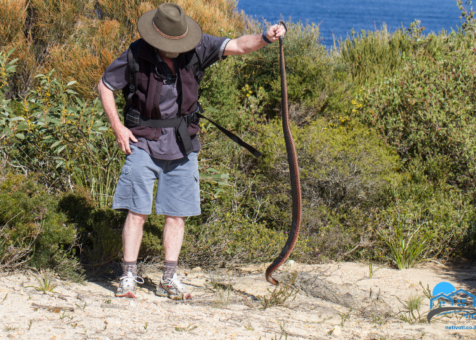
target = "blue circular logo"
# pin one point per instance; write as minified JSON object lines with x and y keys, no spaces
{"x":443,"y":287}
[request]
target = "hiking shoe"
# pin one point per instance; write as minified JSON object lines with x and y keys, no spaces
{"x":173,"y":289}
{"x":127,"y":288}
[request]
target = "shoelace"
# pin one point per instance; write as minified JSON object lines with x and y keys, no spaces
{"x":134,"y":277}
{"x":176,"y":281}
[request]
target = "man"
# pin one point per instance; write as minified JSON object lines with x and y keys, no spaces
{"x":160,"y":139}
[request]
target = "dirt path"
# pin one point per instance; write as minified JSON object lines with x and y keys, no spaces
{"x":225,"y":306}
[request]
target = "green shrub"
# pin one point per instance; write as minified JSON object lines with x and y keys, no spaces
{"x":53,"y":132}
{"x":373,"y":55}
{"x":427,"y":111}
{"x":100,"y":229}
{"x":425,"y":201}
{"x":341,"y":166}
{"x":32,"y":231}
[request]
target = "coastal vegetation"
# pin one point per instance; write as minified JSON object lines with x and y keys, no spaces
{"x":384,"y":125}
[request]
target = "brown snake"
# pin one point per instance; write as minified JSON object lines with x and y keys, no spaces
{"x":294,"y":173}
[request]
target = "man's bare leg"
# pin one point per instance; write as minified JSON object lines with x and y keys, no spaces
{"x":131,"y":240}
{"x":132,"y":236}
{"x":173,"y":237}
{"x":170,"y":285}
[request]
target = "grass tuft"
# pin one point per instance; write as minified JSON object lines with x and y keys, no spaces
{"x":45,"y":283}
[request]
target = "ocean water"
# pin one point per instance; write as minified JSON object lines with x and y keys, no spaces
{"x":336,"y":18}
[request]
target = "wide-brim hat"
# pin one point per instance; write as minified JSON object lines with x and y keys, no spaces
{"x":169,"y":29}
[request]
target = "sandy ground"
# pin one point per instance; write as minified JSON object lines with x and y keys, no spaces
{"x":225,"y":306}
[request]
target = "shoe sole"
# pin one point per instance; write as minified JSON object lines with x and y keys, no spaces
{"x":127,"y":295}
{"x":163,"y":293}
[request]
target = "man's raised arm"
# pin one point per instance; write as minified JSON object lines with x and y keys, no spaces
{"x":253,"y":42}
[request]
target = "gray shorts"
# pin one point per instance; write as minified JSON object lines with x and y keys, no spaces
{"x":178,"y":189}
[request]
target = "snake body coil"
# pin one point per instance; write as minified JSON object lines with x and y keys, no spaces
{"x":294,"y":173}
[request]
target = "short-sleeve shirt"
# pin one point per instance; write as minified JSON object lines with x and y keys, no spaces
{"x":116,"y":77}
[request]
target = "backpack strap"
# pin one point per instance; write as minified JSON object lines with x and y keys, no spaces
{"x":233,"y":137}
{"x":133,"y":65}
{"x":194,"y":65}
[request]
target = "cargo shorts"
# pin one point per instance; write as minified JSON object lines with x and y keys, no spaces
{"x":178,"y":188}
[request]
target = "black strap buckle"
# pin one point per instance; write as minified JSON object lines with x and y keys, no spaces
{"x":132,"y":117}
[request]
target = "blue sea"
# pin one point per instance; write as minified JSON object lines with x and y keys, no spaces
{"x":337,"y":17}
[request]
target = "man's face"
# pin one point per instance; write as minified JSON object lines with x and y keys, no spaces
{"x":169,"y":54}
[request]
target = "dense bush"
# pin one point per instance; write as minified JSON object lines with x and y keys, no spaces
{"x":54,"y":133}
{"x":427,"y":110}
{"x":443,"y":212}
{"x":345,"y":173}
{"x":32,"y":231}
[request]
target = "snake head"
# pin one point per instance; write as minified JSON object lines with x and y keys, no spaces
{"x":281,"y":22}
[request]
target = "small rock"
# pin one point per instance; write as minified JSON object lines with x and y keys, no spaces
{"x":112,"y":321}
{"x":290,"y":263}
{"x":132,"y":303}
{"x":196,"y":270}
{"x":337,"y":331}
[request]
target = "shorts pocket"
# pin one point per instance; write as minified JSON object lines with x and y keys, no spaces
{"x":126,"y":169}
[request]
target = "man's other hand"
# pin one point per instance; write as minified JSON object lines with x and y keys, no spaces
{"x":123,"y":135}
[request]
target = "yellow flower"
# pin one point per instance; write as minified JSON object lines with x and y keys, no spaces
{"x":250,"y":92}
{"x":248,"y":95}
